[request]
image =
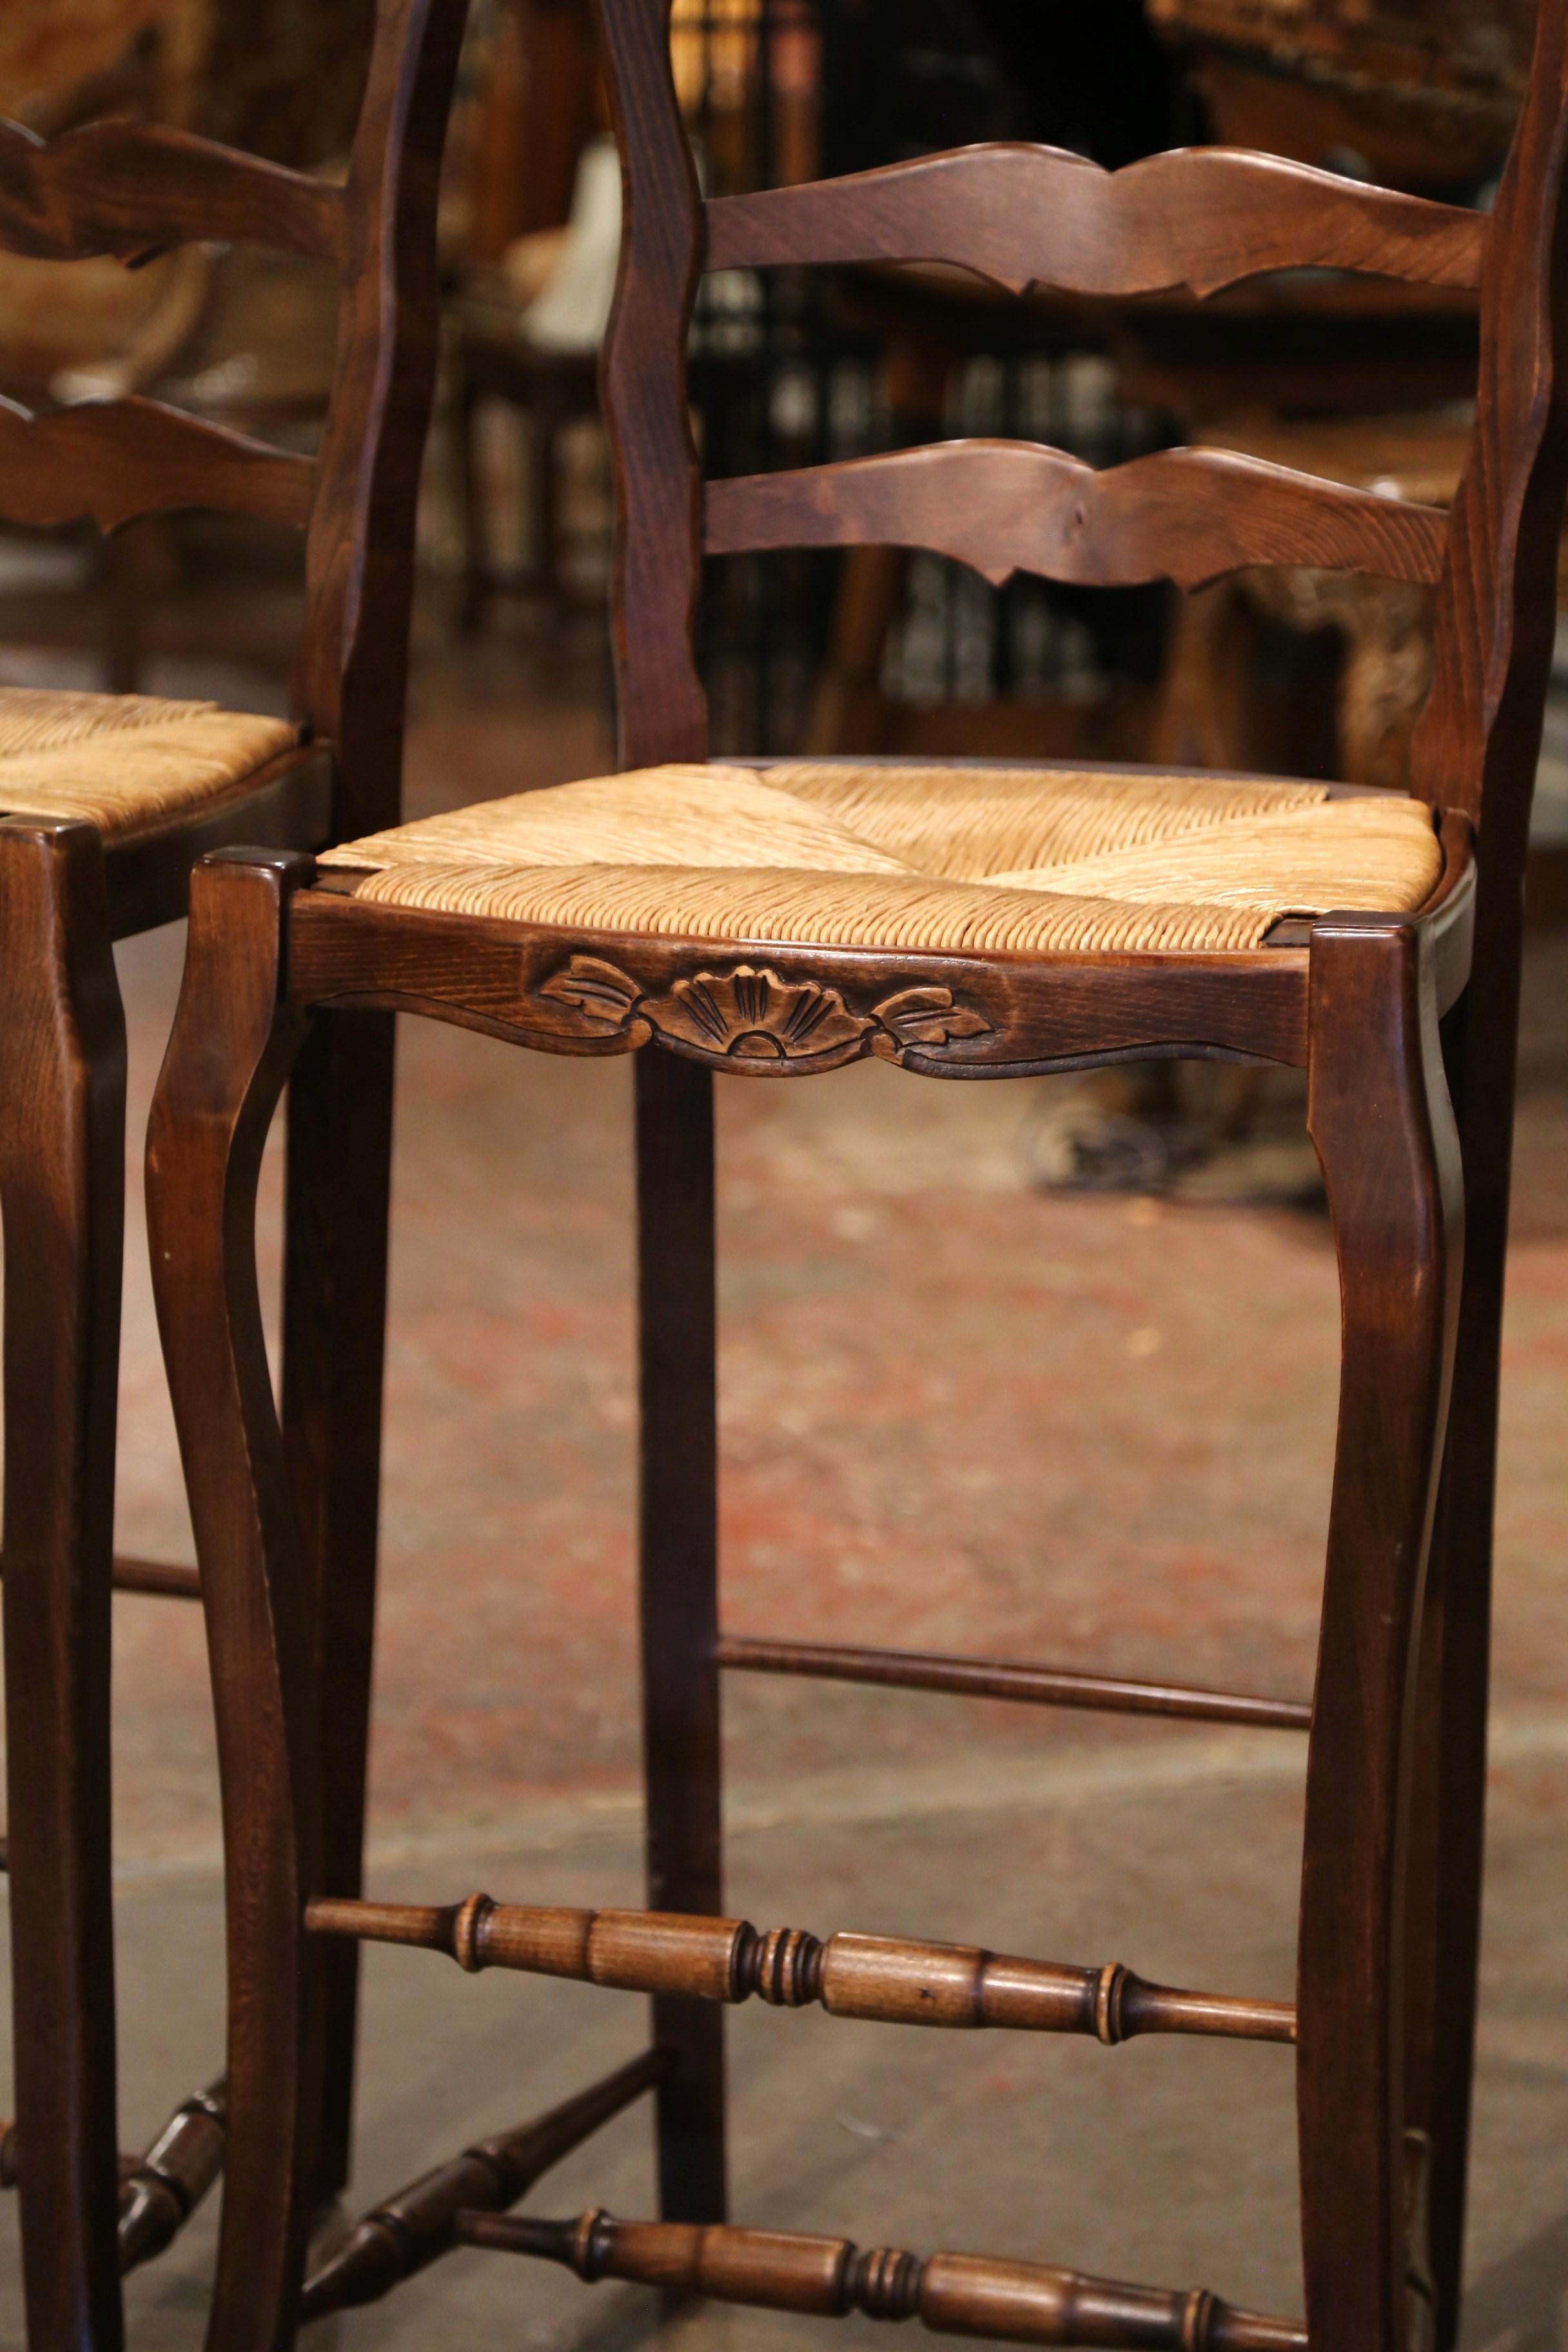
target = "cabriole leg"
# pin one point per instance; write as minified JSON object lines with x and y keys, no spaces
{"x":678,"y":1516}
{"x":62,"y":1181}
{"x":228,"y":1056}
{"x":1379,"y":1113}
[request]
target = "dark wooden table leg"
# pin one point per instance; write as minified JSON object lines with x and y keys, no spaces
{"x":1380,"y":1117}
{"x":679,"y":1595}
{"x":228,"y":1057}
{"x":334,"y":1321}
{"x":62,"y":1181}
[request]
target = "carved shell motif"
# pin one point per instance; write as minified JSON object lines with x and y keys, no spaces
{"x":751,"y":1016}
{"x":748,"y":1016}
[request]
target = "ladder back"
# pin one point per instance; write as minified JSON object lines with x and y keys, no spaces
{"x":1198,"y":220}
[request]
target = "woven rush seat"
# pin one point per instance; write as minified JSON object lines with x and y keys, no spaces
{"x":830,"y":853}
{"x":123,"y":762}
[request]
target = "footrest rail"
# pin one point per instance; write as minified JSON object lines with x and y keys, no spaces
{"x":413,"y":2229}
{"x":161,"y":2190}
{"x":994,"y":1678}
{"x":887,"y":1979}
{"x":952,"y":2295}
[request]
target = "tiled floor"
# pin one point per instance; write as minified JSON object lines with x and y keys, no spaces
{"x":955,"y":1414}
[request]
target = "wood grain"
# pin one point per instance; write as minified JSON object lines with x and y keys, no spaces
{"x":233,"y":1039}
{"x":991,"y":1678}
{"x":1380,"y":1117}
{"x":1041,"y":1012}
{"x":62,"y":1175}
{"x":1203,"y":218}
{"x":1476,"y":747}
{"x":109,"y":461}
{"x":164,"y":2188}
{"x":642,"y":381}
{"x":131,"y":188}
{"x":952,"y":2295}
{"x":351,"y":681}
{"x":1187,"y":515}
{"x":409,"y":2231}
{"x":887,"y":1979}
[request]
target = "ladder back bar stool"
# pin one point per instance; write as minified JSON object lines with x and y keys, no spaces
{"x":105,"y":803}
{"x":779,"y":920}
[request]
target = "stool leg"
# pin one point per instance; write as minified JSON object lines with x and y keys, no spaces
{"x":1379,"y":1113}
{"x":1483,"y":1058}
{"x":334,"y":1324}
{"x":62,"y":1182}
{"x":228,"y":1057}
{"x":678,"y":1516}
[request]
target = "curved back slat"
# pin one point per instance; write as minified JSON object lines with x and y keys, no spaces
{"x":108,"y":461}
{"x":125,"y":187}
{"x":1186,"y":515}
{"x":1203,"y":218}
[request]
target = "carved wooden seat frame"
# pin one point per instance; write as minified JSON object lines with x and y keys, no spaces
{"x":66,"y":895}
{"x":1405,"y":1026}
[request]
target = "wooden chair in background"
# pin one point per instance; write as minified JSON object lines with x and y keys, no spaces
{"x":964,"y":922}
{"x":108,"y":803}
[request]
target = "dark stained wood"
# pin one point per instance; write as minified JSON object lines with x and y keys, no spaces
{"x":1383,"y":2027}
{"x":1203,"y":218}
{"x":1187,"y":515}
{"x":678,"y":1599}
{"x":164,"y":2188}
{"x":952,"y":2295}
{"x":883,"y":1978}
{"x":288,"y":805}
{"x":337,"y":1188}
{"x":642,"y":384}
{"x":407,"y":2232}
{"x":127,"y":188}
{"x":1379,"y":1114}
{"x":1476,"y":746}
{"x":987,"y":1679}
{"x":115,"y":188}
{"x":359,"y":558}
{"x":1040,"y":1013}
{"x":109,"y":461}
{"x":156,"y":1577}
{"x":62,"y":1124}
{"x":151,"y":1576}
{"x":233,"y":1040}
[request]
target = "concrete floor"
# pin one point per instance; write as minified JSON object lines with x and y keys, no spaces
{"x":955,"y":1414}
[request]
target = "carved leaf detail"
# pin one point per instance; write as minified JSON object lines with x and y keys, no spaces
{"x":750,"y":1015}
{"x":595,"y":988}
{"x":928,"y":1016}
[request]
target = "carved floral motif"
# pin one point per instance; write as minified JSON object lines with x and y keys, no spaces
{"x":749,"y":1014}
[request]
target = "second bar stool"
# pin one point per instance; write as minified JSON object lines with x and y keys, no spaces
{"x":106,"y":802}
{"x":781,"y":919}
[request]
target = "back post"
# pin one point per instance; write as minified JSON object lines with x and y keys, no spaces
{"x":1476,"y":749}
{"x":350,"y":687}
{"x":664,"y":716}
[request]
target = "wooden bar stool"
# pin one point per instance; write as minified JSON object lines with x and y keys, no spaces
{"x":781,"y":919}
{"x":108,"y":802}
